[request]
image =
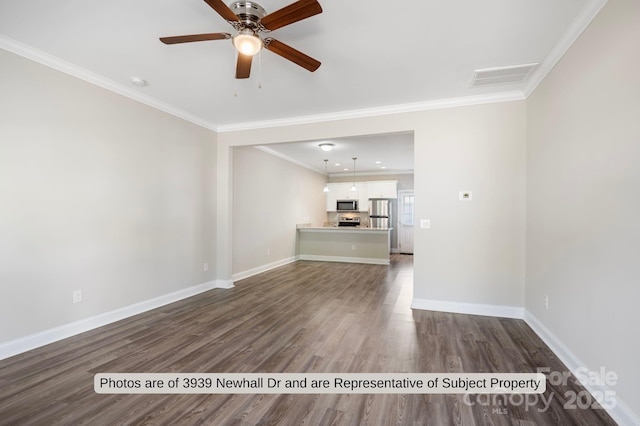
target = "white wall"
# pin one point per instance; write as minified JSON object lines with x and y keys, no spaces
{"x":583,"y":208}
{"x":98,"y":193}
{"x":271,"y":196}
{"x":474,"y":250}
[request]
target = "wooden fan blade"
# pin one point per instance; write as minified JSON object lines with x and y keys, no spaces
{"x":295,"y":12}
{"x":223,"y":10}
{"x":288,"y":52}
{"x":194,"y":37}
{"x":243,"y":66}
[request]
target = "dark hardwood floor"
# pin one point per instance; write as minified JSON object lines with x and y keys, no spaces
{"x":303,"y":317}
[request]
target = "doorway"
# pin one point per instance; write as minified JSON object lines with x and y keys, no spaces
{"x":405,"y":221}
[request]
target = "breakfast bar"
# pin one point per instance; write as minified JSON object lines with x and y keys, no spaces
{"x":344,"y":244}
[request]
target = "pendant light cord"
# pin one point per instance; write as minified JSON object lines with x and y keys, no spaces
{"x":353,"y":188}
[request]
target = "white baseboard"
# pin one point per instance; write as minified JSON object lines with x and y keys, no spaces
{"x":27,"y":343}
{"x":226,"y":284}
{"x":368,"y":260}
{"x":620,"y":413}
{"x":262,"y":268}
{"x":468,"y":308}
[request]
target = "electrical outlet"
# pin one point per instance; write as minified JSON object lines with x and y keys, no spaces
{"x":425,"y":223}
{"x":353,"y":247}
{"x":546,"y":302}
{"x":268,"y":252}
{"x":205,"y":267}
{"x":77,"y":296}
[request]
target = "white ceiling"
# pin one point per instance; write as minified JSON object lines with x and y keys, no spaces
{"x":377,"y":57}
{"x":375,"y":154}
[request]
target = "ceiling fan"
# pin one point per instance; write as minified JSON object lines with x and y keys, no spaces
{"x":249,"y":20}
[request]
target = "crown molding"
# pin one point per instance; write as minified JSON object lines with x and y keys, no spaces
{"x":588,"y":12}
{"x":287,"y":158}
{"x":514,"y":95}
{"x":58,"y":64}
{"x":372,"y":173}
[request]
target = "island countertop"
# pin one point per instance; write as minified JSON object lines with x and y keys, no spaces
{"x":344,"y":244}
{"x":341,"y":229}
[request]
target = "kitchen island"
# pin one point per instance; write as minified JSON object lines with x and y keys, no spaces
{"x":344,"y":244}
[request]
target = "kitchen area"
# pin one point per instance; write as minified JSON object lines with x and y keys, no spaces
{"x":359,"y":226}
{"x":290,"y":204}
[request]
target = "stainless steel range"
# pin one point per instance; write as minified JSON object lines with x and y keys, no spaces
{"x":348,"y":221}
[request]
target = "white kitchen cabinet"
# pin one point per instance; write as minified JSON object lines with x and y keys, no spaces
{"x":365,"y":190}
{"x":331,"y":197}
{"x":382,"y":189}
{"x":339,"y":191}
{"x":363,"y":196}
{"x":343,"y":191}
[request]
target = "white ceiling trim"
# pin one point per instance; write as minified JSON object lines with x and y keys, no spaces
{"x":287,"y":158}
{"x":105,"y":83}
{"x":589,"y":11}
{"x":515,"y":95}
{"x":374,"y":173}
{"x":58,"y":64}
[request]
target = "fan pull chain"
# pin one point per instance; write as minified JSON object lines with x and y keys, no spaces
{"x":235,"y":85}
{"x":260,"y":69}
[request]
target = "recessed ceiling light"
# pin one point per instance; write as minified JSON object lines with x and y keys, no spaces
{"x":378,"y":162}
{"x":325,"y":146}
{"x":137,"y":81}
{"x":383,"y":167}
{"x":346,"y":170}
{"x":337,"y":164}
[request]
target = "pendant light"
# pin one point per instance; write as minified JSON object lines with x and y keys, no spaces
{"x":326,"y":185}
{"x":353,"y":187}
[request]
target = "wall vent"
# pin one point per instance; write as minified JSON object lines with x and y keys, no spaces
{"x":502,"y":75}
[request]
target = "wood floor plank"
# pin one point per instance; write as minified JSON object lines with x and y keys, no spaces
{"x":303,"y":317}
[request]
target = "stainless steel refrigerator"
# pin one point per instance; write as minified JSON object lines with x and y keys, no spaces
{"x":379,"y":213}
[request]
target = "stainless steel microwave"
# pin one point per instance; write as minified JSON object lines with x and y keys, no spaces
{"x":347,"y":205}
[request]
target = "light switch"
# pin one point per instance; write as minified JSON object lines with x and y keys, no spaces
{"x":425,"y":223}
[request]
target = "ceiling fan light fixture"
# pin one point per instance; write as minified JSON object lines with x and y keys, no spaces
{"x":250,"y":19}
{"x":247,"y":42}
